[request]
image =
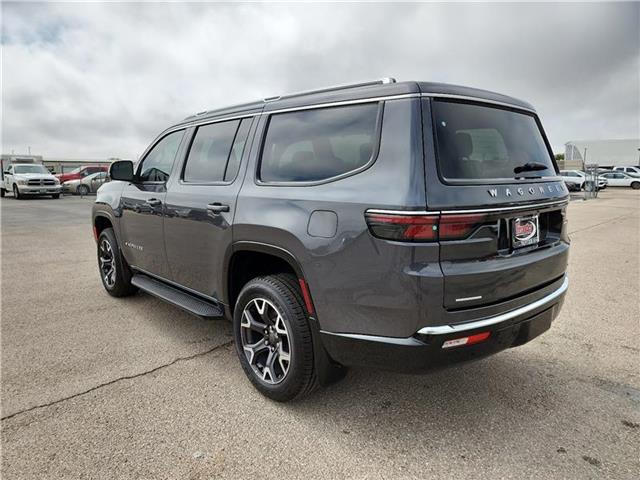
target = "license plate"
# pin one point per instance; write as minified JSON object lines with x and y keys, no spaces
{"x":525,"y":231}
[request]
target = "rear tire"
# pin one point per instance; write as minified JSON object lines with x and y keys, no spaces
{"x":273,"y":339}
{"x":16,"y":192}
{"x":2,"y":192}
{"x":114,"y":271}
{"x":635,"y":185}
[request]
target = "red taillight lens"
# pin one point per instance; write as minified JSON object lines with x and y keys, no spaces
{"x":459,"y":226}
{"x":412,"y":228}
{"x":422,"y":228}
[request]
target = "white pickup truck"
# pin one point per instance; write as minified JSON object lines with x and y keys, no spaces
{"x":29,"y":179}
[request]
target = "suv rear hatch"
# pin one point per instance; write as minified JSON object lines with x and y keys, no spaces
{"x":491,"y":176}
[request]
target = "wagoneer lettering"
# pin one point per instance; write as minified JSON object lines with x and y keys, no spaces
{"x":404,"y":226}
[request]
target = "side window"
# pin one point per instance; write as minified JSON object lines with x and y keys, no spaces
{"x":233,"y":165}
{"x":156,"y":166}
{"x":318,"y":144}
{"x":212,"y":149}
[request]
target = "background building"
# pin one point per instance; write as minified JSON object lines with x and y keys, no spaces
{"x":606,"y":153}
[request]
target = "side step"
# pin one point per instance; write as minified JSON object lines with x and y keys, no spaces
{"x":186,"y":301}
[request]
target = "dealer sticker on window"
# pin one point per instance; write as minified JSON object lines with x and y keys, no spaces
{"x":524,"y":231}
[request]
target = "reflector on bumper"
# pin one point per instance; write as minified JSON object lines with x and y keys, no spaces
{"x":470,"y":340}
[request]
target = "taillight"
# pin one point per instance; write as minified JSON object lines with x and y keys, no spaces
{"x":412,"y":228}
{"x":420,"y":227}
{"x":459,"y":226}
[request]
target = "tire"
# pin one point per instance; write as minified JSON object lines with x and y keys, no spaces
{"x":82,"y":190}
{"x":2,"y":192}
{"x":635,"y":185}
{"x":275,"y":303}
{"x":116,"y":280}
{"x":55,"y":196}
{"x":16,"y":192}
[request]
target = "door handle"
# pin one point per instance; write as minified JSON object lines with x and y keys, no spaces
{"x":217,"y":207}
{"x":153,"y":202}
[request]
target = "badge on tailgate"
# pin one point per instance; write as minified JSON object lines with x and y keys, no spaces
{"x":524,"y":231}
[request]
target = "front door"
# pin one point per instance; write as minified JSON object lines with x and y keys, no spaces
{"x":142,"y":203}
{"x":200,"y":205}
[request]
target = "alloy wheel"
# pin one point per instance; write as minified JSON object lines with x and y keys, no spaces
{"x":265,"y":341}
{"x":107,"y":263}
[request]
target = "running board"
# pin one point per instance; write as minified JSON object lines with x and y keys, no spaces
{"x":186,"y":301}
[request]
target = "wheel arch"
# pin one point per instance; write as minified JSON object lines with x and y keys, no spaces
{"x":247,"y":260}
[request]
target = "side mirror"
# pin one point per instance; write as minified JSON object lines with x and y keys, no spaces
{"x":7,"y":172}
{"x":121,"y":170}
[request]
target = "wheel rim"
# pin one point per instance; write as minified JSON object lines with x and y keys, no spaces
{"x":83,"y":190}
{"x":107,"y":263}
{"x":265,"y":341}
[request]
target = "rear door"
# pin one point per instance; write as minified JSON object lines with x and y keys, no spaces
{"x":491,"y":174}
{"x":201,"y":203}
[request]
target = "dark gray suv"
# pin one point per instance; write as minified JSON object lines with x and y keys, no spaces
{"x":404,"y":226}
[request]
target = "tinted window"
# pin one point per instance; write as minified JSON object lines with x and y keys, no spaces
{"x":236,"y":151}
{"x":479,"y":142}
{"x":209,"y":152}
{"x":156,"y":166}
{"x":31,"y":169}
{"x":317,"y":144}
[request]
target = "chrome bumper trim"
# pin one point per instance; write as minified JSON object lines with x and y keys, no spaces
{"x":463,"y":327}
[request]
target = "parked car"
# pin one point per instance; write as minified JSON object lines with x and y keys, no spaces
{"x":572,"y":185}
{"x":31,"y":179}
{"x":622,"y":179}
{"x":631,"y":170}
{"x":81,"y":172}
{"x":580,"y":178}
{"x":369,"y":225}
{"x":573,"y":179}
{"x":86,"y":185}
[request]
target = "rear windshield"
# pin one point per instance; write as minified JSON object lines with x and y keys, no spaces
{"x":478,"y":142}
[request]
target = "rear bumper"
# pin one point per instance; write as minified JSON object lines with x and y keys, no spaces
{"x":424,"y":350}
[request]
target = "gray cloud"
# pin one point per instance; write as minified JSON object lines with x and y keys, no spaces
{"x":101,"y":80}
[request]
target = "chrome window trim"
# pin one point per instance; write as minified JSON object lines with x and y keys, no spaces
{"x":477,"y":99}
{"x":342,"y":103}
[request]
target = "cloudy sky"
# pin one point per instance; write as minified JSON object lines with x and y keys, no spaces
{"x":101,"y":80}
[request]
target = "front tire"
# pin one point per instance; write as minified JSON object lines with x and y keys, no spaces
{"x":55,"y":196}
{"x":16,"y":192}
{"x":114,"y":271}
{"x":83,"y":190}
{"x":635,"y":185}
{"x":273,"y":339}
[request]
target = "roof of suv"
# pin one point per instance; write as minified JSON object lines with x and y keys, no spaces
{"x":370,"y":90}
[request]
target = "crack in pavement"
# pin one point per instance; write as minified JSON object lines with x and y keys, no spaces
{"x":601,"y":223}
{"x":111,"y":382}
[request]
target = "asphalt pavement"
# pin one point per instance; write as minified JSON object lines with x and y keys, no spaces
{"x":98,"y":387}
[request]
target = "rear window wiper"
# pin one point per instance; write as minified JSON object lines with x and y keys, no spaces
{"x":530,"y":167}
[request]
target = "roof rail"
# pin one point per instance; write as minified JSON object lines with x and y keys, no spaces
{"x":382,"y":81}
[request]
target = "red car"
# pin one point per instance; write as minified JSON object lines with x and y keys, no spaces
{"x":81,"y":172}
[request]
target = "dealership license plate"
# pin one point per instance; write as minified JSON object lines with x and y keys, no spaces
{"x":525,"y":231}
